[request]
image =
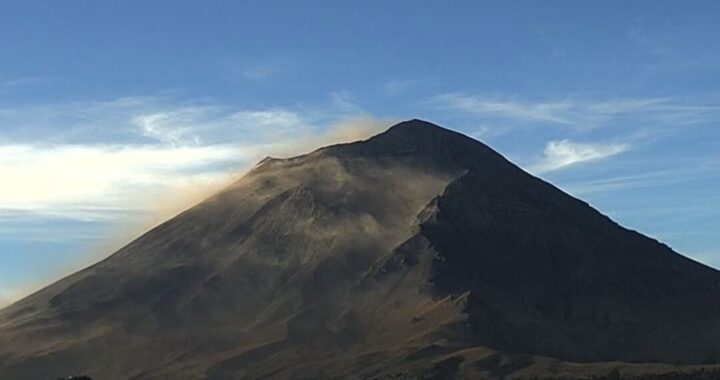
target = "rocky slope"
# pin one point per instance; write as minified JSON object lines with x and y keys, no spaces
{"x":419,"y":253}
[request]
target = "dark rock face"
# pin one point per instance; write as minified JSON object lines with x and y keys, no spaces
{"x":549,"y":275}
{"x":419,"y":253}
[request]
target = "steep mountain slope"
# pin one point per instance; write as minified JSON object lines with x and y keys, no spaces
{"x":408,"y":254}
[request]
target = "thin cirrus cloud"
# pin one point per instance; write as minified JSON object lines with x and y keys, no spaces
{"x":542,"y":111}
{"x":565,"y":153}
{"x":582,"y":114}
{"x":152,"y":120}
{"x":22,"y":81}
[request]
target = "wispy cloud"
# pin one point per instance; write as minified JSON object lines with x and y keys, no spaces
{"x":255,"y":72}
{"x":615,"y":183}
{"x":23,"y":81}
{"x":542,"y":111}
{"x":344,"y":100}
{"x":565,"y":153}
{"x":582,"y":114}
{"x":399,"y":85}
{"x":205,"y":124}
{"x":166,"y":120}
{"x":674,"y":174}
{"x":671,"y":47}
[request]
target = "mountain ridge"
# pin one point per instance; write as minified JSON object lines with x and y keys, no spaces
{"x":411,"y":252}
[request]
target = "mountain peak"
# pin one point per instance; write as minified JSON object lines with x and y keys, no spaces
{"x":423,"y":140}
{"x":416,"y":125}
{"x":417,"y":128}
{"x":309,"y":261}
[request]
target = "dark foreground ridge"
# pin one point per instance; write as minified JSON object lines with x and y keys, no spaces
{"x":418,"y":253}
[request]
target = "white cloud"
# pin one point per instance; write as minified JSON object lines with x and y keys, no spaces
{"x":45,"y":178}
{"x":564,"y":153}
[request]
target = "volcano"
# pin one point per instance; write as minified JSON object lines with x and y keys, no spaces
{"x":418,"y":253}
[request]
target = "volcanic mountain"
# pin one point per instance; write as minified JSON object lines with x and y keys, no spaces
{"x":418,"y":253}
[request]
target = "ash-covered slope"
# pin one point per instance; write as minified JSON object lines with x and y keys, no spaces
{"x":406,"y":255}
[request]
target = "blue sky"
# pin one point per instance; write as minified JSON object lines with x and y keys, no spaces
{"x":115,"y":115}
